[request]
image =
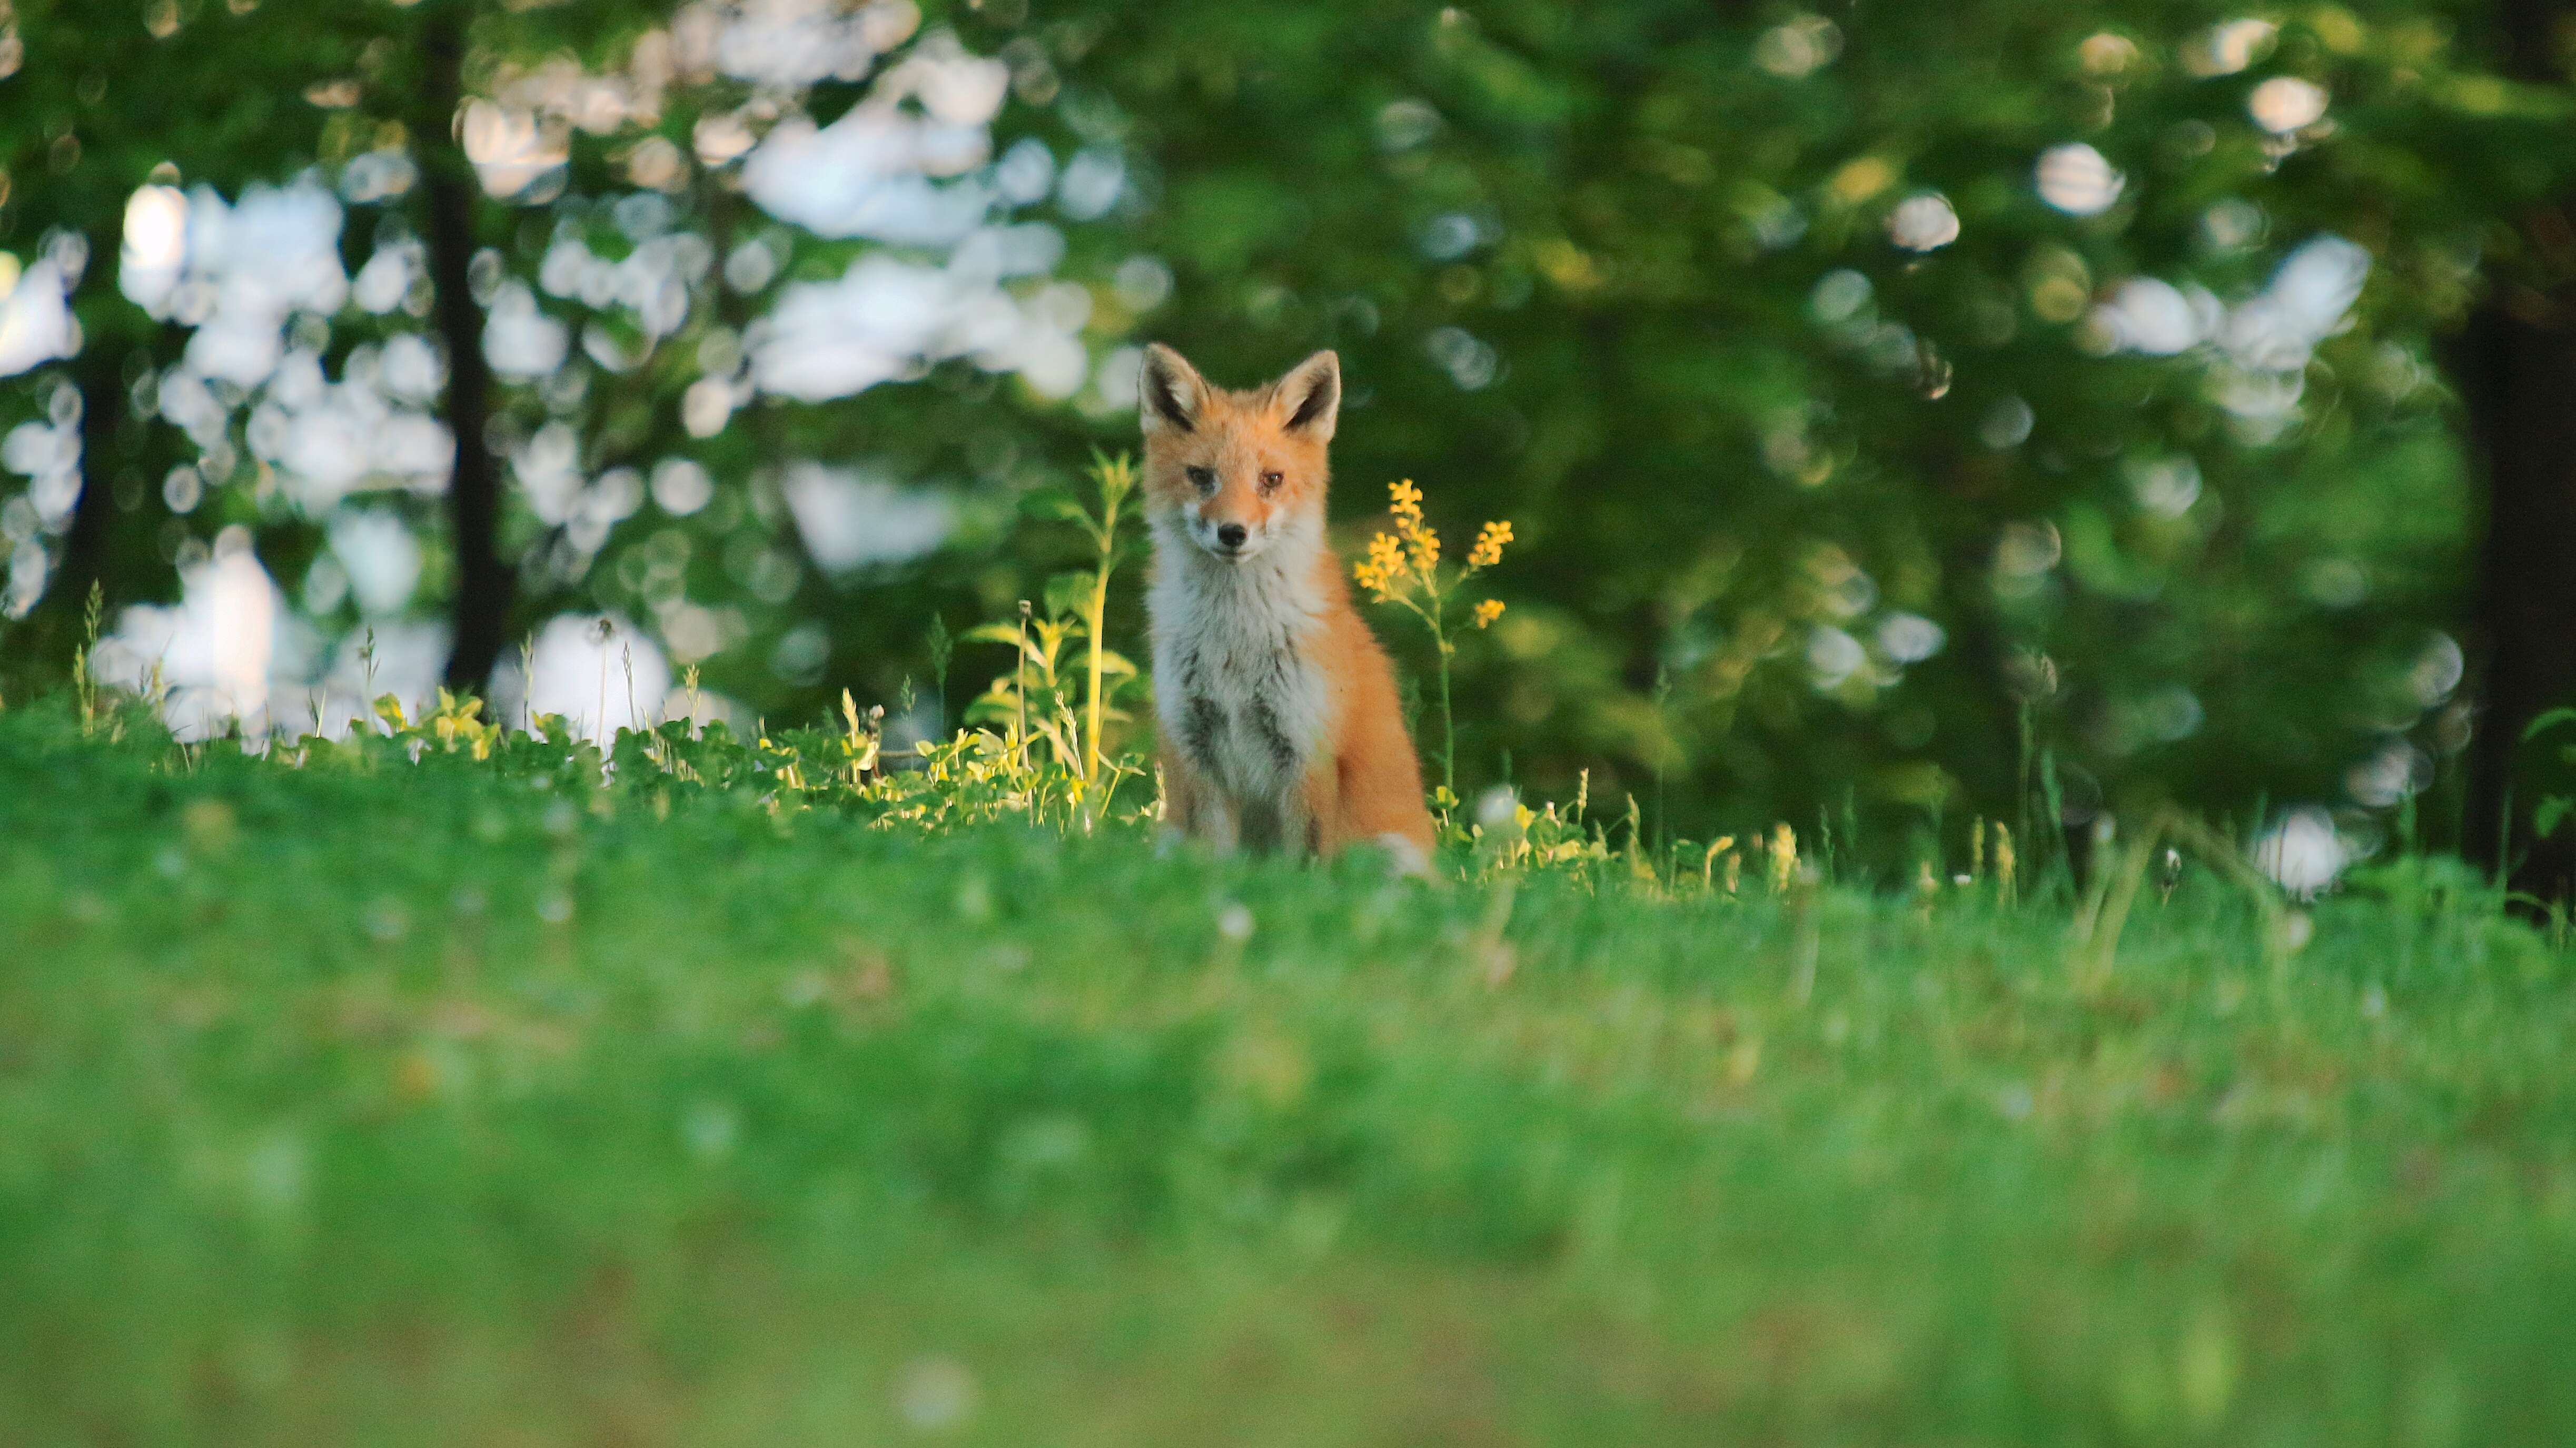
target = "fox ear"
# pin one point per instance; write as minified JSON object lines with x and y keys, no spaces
{"x":1171,"y":396}
{"x":1309,"y":398}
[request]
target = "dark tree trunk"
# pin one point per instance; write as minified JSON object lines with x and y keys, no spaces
{"x":484,"y":584}
{"x":2516,"y":367}
{"x":55,"y":627}
{"x":98,"y":373}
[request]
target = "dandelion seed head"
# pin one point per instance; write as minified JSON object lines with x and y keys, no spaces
{"x":1234,"y":922}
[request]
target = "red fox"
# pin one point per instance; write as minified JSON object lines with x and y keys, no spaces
{"x":1278,"y":713}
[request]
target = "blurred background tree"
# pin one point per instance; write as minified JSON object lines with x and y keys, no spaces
{"x":1907,"y":413}
{"x":100,"y":112}
{"x":2516,"y":364}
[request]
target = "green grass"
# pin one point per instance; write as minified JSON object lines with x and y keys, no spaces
{"x":369,"y":1102}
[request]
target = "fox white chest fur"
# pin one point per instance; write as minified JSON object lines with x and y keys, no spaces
{"x":1238,"y":685}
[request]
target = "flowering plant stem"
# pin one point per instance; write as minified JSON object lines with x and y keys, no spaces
{"x":1116,"y":478}
{"x":1403,"y":567}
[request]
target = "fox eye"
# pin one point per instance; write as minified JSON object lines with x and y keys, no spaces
{"x":1203,"y":479}
{"x":1270,"y":482}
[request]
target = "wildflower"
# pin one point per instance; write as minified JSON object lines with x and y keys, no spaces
{"x":1403,"y":567}
{"x":1379,"y":572}
{"x":1421,"y":545}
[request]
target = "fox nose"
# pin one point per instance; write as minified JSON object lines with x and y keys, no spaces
{"x":1231,"y":535}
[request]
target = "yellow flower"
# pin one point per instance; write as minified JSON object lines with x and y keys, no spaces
{"x":1377,"y":572}
{"x":1419,"y":540}
{"x":1423,"y":547}
{"x":1489,"y":545}
{"x":1488,"y":611}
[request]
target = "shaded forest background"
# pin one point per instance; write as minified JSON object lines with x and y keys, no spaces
{"x":1906,"y":412}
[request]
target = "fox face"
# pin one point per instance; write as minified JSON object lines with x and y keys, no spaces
{"x":1238,"y":471}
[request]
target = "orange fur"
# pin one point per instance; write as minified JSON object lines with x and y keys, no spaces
{"x":1280,"y":720}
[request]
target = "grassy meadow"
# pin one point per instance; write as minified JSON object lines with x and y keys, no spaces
{"x":348,"y":1098}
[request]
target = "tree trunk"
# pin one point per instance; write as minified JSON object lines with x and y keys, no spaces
{"x":484,"y":584}
{"x":2516,"y":367}
{"x":98,"y":372}
{"x":54,"y":629}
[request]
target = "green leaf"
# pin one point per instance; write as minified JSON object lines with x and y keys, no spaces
{"x":1067,"y":593}
{"x":2552,"y":812}
{"x":2547,"y":721}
